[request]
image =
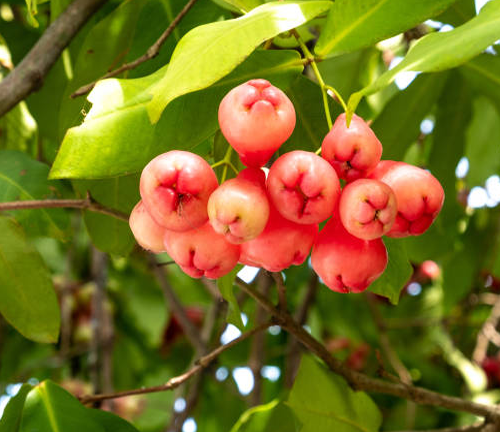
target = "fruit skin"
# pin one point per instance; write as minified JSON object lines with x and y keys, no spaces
{"x":175,"y":187}
{"x":202,"y":252}
{"x":344,"y":262}
{"x":352,"y":151}
{"x":281,"y":244}
{"x":146,"y":231}
{"x":428,"y":271}
{"x":419,"y":196}
{"x":256,"y":118}
{"x":303,"y":187}
{"x":239,"y":208}
{"x":367,"y":208}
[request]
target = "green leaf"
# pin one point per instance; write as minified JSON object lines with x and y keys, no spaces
{"x":48,"y":407}
{"x":396,"y":274}
{"x":226,"y":284}
{"x":482,"y":138}
{"x":459,"y":12}
{"x":108,"y":233}
{"x":117,"y":138}
{"x":109,"y":421}
{"x":251,"y":412}
{"x":22,"y":178}
{"x":483,"y":74}
{"x":11,"y":418}
{"x":355,"y":24}
{"x":398,"y":125}
{"x":18,"y":129}
{"x":209,"y":52}
{"x":311,"y":127}
{"x":243,"y":5}
{"x":323,"y":401}
{"x":27,"y":297}
{"x":439,"y":51}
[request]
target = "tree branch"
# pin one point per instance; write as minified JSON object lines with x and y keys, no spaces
{"x":84,"y":204}
{"x":28,"y":76}
{"x":151,"y":53}
{"x":487,"y":333}
{"x":174,"y":382}
{"x":359,"y":381}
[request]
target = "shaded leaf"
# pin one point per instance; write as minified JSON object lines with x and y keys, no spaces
{"x":439,"y":51}
{"x":355,"y":24}
{"x":11,"y":417}
{"x":396,"y":274}
{"x":226,"y":285}
{"x":22,"y":178}
{"x":323,"y":401}
{"x":27,"y":297}
{"x":117,"y":138}
{"x":459,"y":12}
{"x":208,"y":53}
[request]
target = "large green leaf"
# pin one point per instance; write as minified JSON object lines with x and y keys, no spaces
{"x":323,"y":401}
{"x":108,"y":233}
{"x":355,"y":24}
{"x":483,"y":74}
{"x":50,"y":408}
{"x":27,"y":297}
{"x":398,"y":125}
{"x":226,"y":285}
{"x":11,"y":418}
{"x":439,"y":51}
{"x":22,"y":178}
{"x":117,"y":137}
{"x":396,"y":274}
{"x":459,"y":12}
{"x":483,"y":143}
{"x":208,"y":53}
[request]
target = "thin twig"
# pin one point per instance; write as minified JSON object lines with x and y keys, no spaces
{"x":84,"y":204}
{"x":28,"y":76}
{"x":360,"y":381}
{"x":174,"y":382}
{"x":151,"y":53}
{"x":280,"y":286}
{"x":487,"y":333}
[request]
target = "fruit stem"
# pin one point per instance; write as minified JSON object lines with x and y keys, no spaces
{"x":324,"y":88}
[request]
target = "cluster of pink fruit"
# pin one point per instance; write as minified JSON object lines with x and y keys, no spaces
{"x":273,"y":222}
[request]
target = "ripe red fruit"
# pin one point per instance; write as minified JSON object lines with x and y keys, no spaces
{"x":239,"y":208}
{"x":352,"y":151}
{"x":344,"y":262}
{"x":419,"y":196}
{"x":202,"y":252}
{"x":256,"y":118}
{"x":175,"y":188}
{"x":367,"y":208}
{"x":281,"y":244}
{"x":146,"y":231}
{"x":303,"y":187}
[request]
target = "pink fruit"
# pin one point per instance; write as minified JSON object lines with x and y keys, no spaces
{"x":175,"y":188}
{"x":346,"y":263}
{"x":303,"y":187}
{"x":146,"y":231}
{"x":367,"y":208}
{"x":419,"y":196}
{"x":239,"y":208}
{"x":428,"y":270}
{"x":281,"y":244}
{"x":352,"y":151}
{"x":256,"y":118}
{"x":202,"y":252}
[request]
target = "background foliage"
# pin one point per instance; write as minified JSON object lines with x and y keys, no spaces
{"x":83,"y":308}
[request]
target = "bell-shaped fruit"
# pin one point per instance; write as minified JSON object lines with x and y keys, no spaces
{"x":419,"y":196}
{"x":175,"y":188}
{"x":367,"y":208}
{"x":352,"y":151}
{"x":281,"y":244}
{"x":239,"y":208}
{"x":202,"y":252}
{"x":256,"y":118}
{"x":346,"y":263}
{"x":303,"y":187}
{"x":146,"y":231}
